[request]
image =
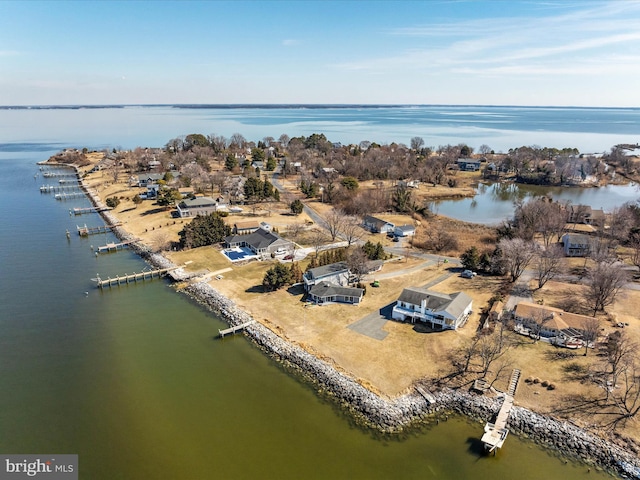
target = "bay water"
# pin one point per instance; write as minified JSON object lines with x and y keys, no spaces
{"x":133,"y":380}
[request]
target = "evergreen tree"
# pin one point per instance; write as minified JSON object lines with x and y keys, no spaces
{"x":204,"y":230}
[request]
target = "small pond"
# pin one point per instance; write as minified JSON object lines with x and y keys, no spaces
{"x":494,"y":202}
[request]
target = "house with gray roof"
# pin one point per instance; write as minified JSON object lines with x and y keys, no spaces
{"x":336,"y":273}
{"x":326,"y":292}
{"x":576,"y":244}
{"x":260,"y":242}
{"x":441,"y":310}
{"x":376,"y":225}
{"x":192,"y":207}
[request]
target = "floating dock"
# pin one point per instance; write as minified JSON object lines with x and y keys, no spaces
{"x":237,"y":328}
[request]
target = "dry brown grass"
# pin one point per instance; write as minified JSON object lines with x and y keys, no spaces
{"x":408,"y":353}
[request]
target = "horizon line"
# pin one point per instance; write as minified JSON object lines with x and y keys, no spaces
{"x":292,"y":105}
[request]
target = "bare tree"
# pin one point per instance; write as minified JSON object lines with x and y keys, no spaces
{"x":549,"y":262}
{"x":317,"y":239}
{"x":484,"y":149}
{"x":605,"y":280}
{"x":334,"y":220}
{"x":295,"y":229}
{"x":634,"y":243}
{"x":352,"y":230}
{"x":417,"y":143}
{"x":517,"y":254}
{"x":358,"y":263}
{"x":590,"y":331}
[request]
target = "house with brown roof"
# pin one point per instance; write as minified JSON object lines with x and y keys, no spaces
{"x":244,"y":228}
{"x":550,"y":323}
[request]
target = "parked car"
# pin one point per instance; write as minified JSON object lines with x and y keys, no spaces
{"x":468,"y":274}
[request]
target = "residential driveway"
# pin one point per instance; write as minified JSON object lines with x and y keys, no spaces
{"x":520,"y":291}
{"x":372,"y":324}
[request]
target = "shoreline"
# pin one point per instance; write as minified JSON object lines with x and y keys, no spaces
{"x":387,"y":416}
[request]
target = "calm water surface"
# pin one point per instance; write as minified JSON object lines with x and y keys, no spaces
{"x":133,"y":381}
{"x":494,"y":203}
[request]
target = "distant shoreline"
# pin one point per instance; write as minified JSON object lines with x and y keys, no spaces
{"x":296,"y":106}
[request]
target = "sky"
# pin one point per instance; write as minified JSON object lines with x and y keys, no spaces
{"x":534,"y":53}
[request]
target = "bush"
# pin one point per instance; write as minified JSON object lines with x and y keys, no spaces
{"x":551,"y":386}
{"x":112,"y":202}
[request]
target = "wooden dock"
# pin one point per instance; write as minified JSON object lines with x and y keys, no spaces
{"x":114,"y":246}
{"x":49,"y":174}
{"x":426,"y":395}
{"x":58,"y":188}
{"x":82,"y":211}
{"x":496,"y":433}
{"x":65,"y":196}
{"x":133,"y":278}
{"x":235,"y":329}
{"x":136,"y":277}
{"x":86,"y":231}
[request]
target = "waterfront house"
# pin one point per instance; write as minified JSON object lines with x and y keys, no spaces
{"x":468,"y":164}
{"x":586,"y":215}
{"x":335,"y":273}
{"x":326,"y":292}
{"x":576,"y":244}
{"x":404,"y":231}
{"x":554,"y":324}
{"x":192,"y":207}
{"x":441,"y":310}
{"x":261,"y":242}
{"x":376,"y":225}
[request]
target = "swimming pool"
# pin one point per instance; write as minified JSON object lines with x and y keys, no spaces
{"x":236,"y":254}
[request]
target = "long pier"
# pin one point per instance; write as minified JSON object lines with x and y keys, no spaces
{"x":235,"y":328}
{"x":133,"y":278}
{"x":64,"y":196}
{"x":58,"y":188}
{"x":136,"y":277}
{"x":86,"y":231}
{"x":114,"y":246}
{"x":48,"y":174}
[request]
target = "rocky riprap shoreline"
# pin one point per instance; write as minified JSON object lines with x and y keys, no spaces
{"x":393,"y":416}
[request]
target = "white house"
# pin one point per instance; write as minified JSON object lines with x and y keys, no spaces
{"x":443,"y":311}
{"x":335,"y":273}
{"x":192,"y":207}
{"x":404,"y":230}
{"x":376,"y":225}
